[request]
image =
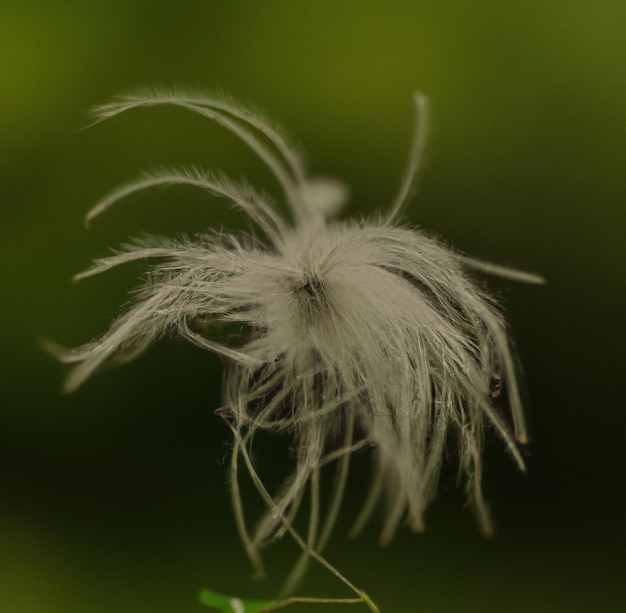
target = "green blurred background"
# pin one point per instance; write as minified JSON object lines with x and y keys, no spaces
{"x":114,"y":499}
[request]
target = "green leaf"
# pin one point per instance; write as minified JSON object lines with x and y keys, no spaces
{"x":232,"y":604}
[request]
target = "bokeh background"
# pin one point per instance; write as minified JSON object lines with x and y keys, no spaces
{"x":114,"y":499}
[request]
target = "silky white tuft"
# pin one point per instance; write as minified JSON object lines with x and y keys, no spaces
{"x":354,"y":334}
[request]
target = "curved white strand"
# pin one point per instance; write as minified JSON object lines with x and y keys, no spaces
{"x":514,"y":274}
{"x":416,"y":152}
{"x":286,"y":182}
{"x":246,"y":200}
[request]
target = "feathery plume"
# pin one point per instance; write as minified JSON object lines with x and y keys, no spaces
{"x":356,"y":334}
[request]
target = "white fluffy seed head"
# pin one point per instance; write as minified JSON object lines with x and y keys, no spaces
{"x":356,"y":334}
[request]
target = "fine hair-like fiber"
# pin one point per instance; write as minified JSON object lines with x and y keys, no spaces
{"x":354,"y":334}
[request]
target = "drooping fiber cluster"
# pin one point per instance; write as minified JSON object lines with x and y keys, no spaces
{"x":354,"y":334}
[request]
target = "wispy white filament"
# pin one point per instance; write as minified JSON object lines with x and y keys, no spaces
{"x":356,"y":334}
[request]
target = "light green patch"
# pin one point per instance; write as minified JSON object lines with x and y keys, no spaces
{"x":230,"y":604}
